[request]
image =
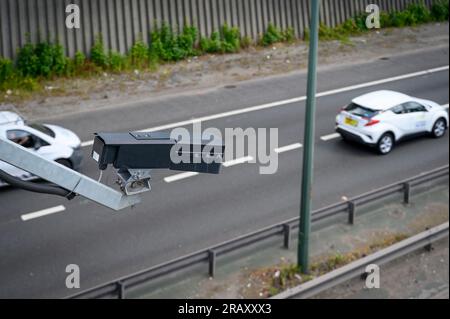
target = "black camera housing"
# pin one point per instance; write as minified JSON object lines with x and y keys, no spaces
{"x":141,"y":150}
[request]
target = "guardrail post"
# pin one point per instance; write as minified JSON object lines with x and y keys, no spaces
{"x":287,"y":236}
{"x":121,"y":290}
{"x":351,"y":213}
{"x":212,"y":263}
{"x":406,"y":193}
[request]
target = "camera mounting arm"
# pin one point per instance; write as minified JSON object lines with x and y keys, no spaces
{"x":64,"y":177}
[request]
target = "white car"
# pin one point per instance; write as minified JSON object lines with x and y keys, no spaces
{"x":383,"y":118}
{"x":50,"y":141}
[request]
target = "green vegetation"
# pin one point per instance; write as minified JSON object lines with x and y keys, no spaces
{"x":98,"y":55}
{"x":414,"y":14}
{"x":227,"y":40}
{"x":289,"y":35}
{"x":272,"y":35}
{"x":439,"y":10}
{"x":6,"y":70}
{"x":276,"y":35}
{"x":45,"y":60}
{"x":168,"y":46}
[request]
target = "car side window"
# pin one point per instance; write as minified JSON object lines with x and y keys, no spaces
{"x":399,"y":109}
{"x":25,"y":139}
{"x":414,"y":107}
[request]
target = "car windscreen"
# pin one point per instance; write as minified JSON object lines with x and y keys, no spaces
{"x":361,"y":111}
{"x":43,"y":129}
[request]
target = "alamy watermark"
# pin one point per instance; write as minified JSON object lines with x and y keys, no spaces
{"x":373,"y":277}
{"x":258,"y":146}
{"x":73,"y":279}
{"x":73,"y":18}
{"x":373,"y":19}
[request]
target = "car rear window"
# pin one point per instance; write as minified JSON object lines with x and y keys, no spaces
{"x":43,"y":129}
{"x":361,"y":111}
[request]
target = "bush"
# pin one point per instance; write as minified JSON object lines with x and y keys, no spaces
{"x":385,"y":20}
{"x":360,"y":22}
{"x":44,"y":54}
{"x":43,"y":59}
{"x":27,"y":60}
{"x":186,"y":41}
{"x":98,"y":55}
{"x":272,"y":35}
{"x":353,"y":26}
{"x":59,"y":60}
{"x":79,"y":60}
{"x":413,"y":15}
{"x":139,"y":55}
{"x":289,"y":35}
{"x":231,"y":39}
{"x":168,"y":46}
{"x":211,"y":44}
{"x":117,"y":62}
{"x":439,"y":10}
{"x":228,"y":40}
{"x":419,"y":13}
{"x":327,"y":33}
{"x":6,"y":69}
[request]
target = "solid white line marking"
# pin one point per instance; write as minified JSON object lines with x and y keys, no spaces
{"x":445,"y":106}
{"x":179,"y":177}
{"x":288,"y":148}
{"x":286,"y":102}
{"x":238,"y":161}
{"x":42,"y":213}
{"x":383,"y":81}
{"x":330,"y":137}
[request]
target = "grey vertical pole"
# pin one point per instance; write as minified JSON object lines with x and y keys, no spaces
{"x":308,"y":152}
{"x":212,"y":263}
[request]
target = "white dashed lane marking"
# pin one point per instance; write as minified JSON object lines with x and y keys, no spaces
{"x":42,"y":213}
{"x":179,"y":177}
{"x":330,"y":137}
{"x":288,"y":148}
{"x":238,"y":161}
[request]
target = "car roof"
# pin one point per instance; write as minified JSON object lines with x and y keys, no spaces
{"x":382,"y":100}
{"x":7,"y":117}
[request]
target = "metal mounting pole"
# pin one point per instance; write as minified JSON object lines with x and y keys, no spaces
{"x":308,"y":152}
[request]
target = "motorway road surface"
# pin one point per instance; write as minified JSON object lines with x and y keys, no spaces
{"x":196,"y":212}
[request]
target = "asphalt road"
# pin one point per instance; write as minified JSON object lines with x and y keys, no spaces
{"x":190,"y":214}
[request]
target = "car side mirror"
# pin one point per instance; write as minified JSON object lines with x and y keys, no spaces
{"x":37,"y":144}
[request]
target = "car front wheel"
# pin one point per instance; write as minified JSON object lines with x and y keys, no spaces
{"x":439,"y":128}
{"x":386,"y":144}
